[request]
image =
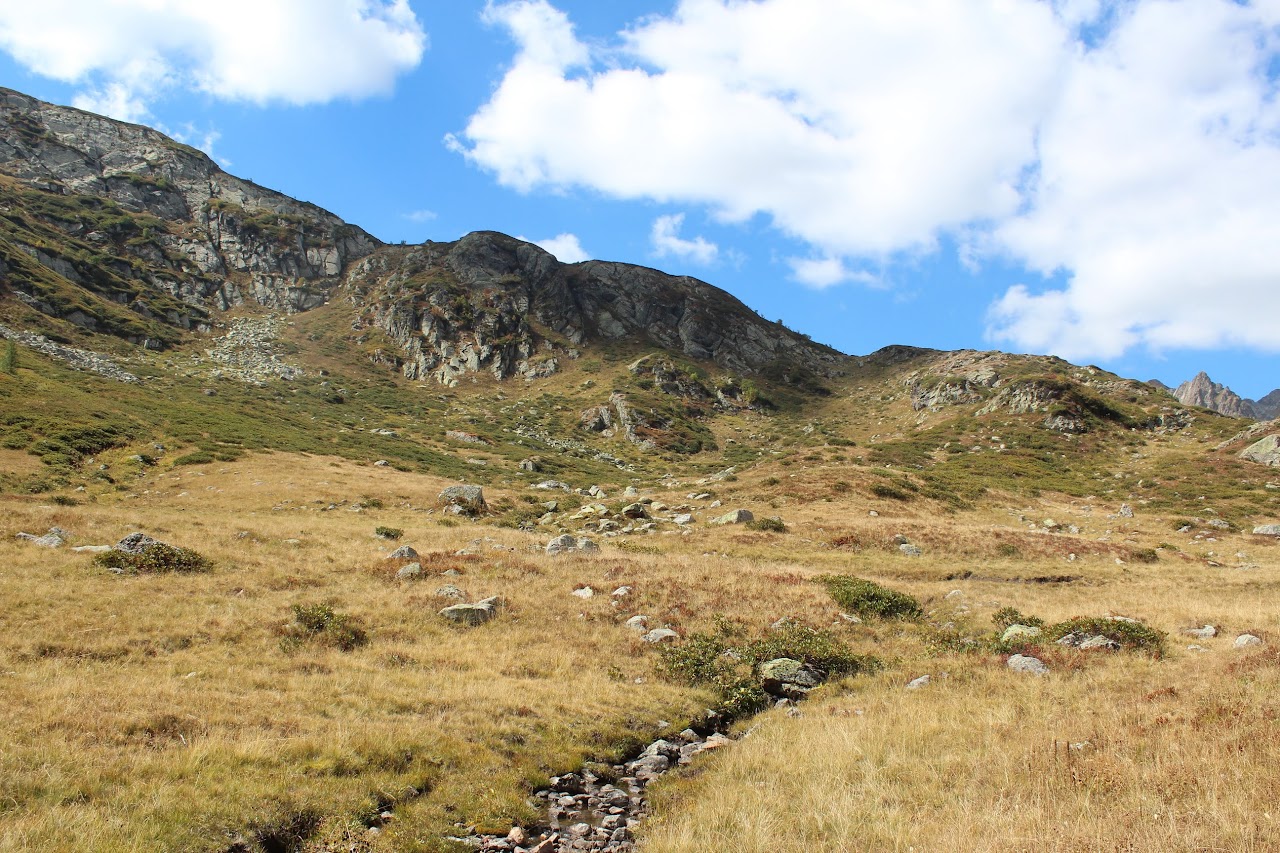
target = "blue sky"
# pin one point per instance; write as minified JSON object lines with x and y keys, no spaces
{"x":1092,"y":178}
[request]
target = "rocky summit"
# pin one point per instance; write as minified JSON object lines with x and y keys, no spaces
{"x":1204,"y":392}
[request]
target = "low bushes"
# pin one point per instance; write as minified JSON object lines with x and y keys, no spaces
{"x":870,"y":600}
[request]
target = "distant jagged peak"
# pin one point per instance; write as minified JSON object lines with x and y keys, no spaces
{"x":1204,"y":392}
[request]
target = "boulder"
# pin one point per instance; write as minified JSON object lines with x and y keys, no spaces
{"x":789,"y":678}
{"x":1098,"y":641}
{"x":404,"y":552}
{"x":584,"y":592}
{"x":1027,"y":664}
{"x":909,"y":550}
{"x":1264,"y":452}
{"x":1245,"y":640}
{"x":1020,"y":633}
{"x":737,"y":516}
{"x":635,"y":510}
{"x":569,"y":544}
{"x":466,"y":500}
{"x":917,"y":683}
{"x":136,"y":543}
{"x":449,"y":591}
{"x":472,"y":614}
{"x":1267,"y":530}
{"x":638,"y":623}
{"x":1208,"y":632}
{"x":409,"y":571}
{"x":55,"y":538}
{"x":660,"y":635}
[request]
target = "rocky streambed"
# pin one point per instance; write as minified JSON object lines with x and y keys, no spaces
{"x":597,"y":811}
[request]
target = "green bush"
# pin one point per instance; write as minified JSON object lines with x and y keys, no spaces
{"x":156,"y":559}
{"x":1132,"y":636}
{"x":720,"y":662}
{"x":1006,"y":616}
{"x":199,"y":457}
{"x":388,"y":532}
{"x":767,"y":525}
{"x":884,"y":490}
{"x":870,"y":600}
{"x":321,"y":623}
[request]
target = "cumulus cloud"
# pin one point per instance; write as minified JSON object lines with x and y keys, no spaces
{"x":1158,"y":191}
{"x":1128,"y":150}
{"x":667,"y":242}
{"x":566,"y":247}
{"x":858,"y":125}
{"x":127,"y":52}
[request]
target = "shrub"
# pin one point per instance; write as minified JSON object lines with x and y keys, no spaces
{"x":870,"y":600}
{"x":9,"y":359}
{"x":767,"y":525}
{"x":711,"y":660}
{"x":321,"y":623}
{"x":64,"y":500}
{"x":388,"y":532}
{"x":199,"y":457}
{"x":1144,"y":555}
{"x":1006,"y":616}
{"x":1132,"y":636}
{"x":156,"y":559}
{"x":884,"y":490}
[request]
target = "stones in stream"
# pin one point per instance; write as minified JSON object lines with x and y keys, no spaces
{"x":596,"y":812}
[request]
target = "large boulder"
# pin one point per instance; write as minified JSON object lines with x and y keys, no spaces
{"x":1264,"y":452}
{"x":1020,"y":634}
{"x":737,"y":516}
{"x":569,"y":544}
{"x":136,"y":543}
{"x":464,"y":500}
{"x":1027,"y":664}
{"x":788,"y":677}
{"x":473,"y":614}
{"x":1267,"y":530}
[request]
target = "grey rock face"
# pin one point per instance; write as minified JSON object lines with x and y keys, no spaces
{"x":223,"y":241}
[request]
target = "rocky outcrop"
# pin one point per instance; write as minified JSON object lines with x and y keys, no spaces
{"x":1264,"y":452}
{"x":492,"y":303}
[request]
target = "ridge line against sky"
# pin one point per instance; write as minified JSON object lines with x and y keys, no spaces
{"x":1097,"y":180}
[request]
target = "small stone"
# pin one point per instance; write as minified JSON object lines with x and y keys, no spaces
{"x":404,"y":552}
{"x":1245,"y":640}
{"x":917,"y":683}
{"x":450,"y":591}
{"x":1208,"y":632}
{"x":659,"y":635}
{"x":1028,"y":664}
{"x":470,"y":614}
{"x":584,"y":592}
{"x":517,"y":835}
{"x":1098,"y":641}
{"x":638,"y":623}
{"x":381,"y":463}
{"x":1267,"y":530}
{"x":1126,"y":511}
{"x":683,"y":519}
{"x":910,"y":550}
{"x":622,"y":592}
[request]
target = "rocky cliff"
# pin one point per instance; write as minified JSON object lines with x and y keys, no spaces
{"x":118,"y":229}
{"x":1204,"y":392}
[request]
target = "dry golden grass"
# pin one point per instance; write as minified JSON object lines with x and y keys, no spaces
{"x":165,"y":712}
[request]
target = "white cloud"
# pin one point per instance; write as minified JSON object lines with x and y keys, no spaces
{"x":566,"y":247}
{"x":857,"y":125}
{"x":420,"y":215}
{"x":821,"y":273}
{"x":1128,"y":148}
{"x":667,"y":242}
{"x":1158,"y":192}
{"x":127,"y":52}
